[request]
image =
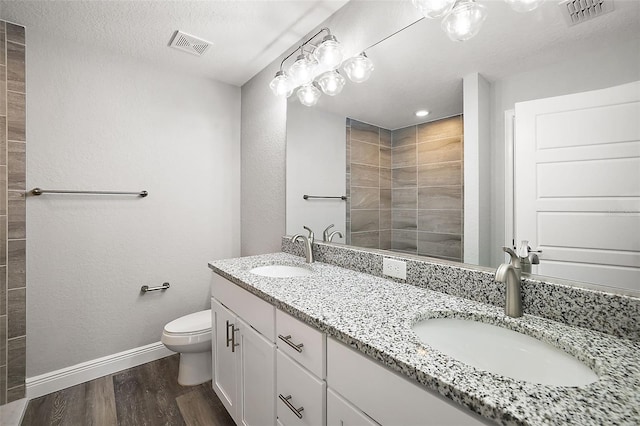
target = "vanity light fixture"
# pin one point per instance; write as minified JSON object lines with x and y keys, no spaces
{"x":315,"y":70}
{"x":422,"y":113}
{"x":463,"y":18}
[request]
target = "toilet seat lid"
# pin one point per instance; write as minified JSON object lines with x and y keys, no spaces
{"x":192,"y":323}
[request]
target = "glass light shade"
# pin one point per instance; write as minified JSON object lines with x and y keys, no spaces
{"x":358,"y":68}
{"x":281,"y":85}
{"x":433,"y":8}
{"x":308,"y":95}
{"x":329,"y":52}
{"x":524,"y":5}
{"x":464,"y":20}
{"x":302,"y":69}
{"x":331,"y":83}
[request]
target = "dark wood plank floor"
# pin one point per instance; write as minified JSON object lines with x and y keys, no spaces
{"x":145,"y":395}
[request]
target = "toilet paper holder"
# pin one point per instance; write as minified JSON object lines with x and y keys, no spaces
{"x":146,"y":288}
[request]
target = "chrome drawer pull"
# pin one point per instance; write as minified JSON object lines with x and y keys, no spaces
{"x":286,"y":399}
{"x":287,"y":340}
{"x":232,"y":339}
{"x":228,"y":338}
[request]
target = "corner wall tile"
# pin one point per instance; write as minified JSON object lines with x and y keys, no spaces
{"x":3,"y":340}
{"x":404,"y":220}
{"x":404,"y":177}
{"x":3,"y":385}
{"x":404,"y":156}
{"x":15,"y":67}
{"x":15,"y":33}
{"x":385,"y":137}
{"x":16,"y":351}
{"x":16,"y":116}
{"x":405,"y":136}
{"x":385,"y":239}
{"x":16,"y":393}
{"x":385,"y":178}
{"x":17,"y":315}
{"x":3,"y":291}
{"x":16,"y":264}
{"x":385,"y":219}
{"x":3,"y":240}
{"x":3,"y":141}
{"x":16,"y":227}
{"x":3,"y":190}
{"x":404,"y":198}
{"x":16,"y":164}
{"x":3,"y":38}
{"x":385,"y":199}
{"x":3,"y":90}
{"x":406,"y":241}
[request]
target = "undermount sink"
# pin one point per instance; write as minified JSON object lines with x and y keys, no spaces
{"x":281,"y":271}
{"x":504,"y":352}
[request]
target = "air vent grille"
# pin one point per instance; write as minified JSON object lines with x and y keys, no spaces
{"x":188,"y":43}
{"x":578,"y":11}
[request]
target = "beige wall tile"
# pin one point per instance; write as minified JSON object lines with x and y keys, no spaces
{"x":3,"y":190}
{"x":385,"y":219}
{"x":16,"y":165}
{"x":404,"y":219}
{"x":366,"y":239}
{"x":3,"y":291}
{"x":385,"y":178}
{"x":3,"y":141}
{"x":16,"y":228}
{"x":15,"y":362}
{"x":440,"y":174}
{"x":15,"y":33}
{"x":3,"y":340}
{"x":404,"y":177}
{"x":16,"y":264}
{"x":365,"y":153}
{"x":3,"y":90}
{"x":385,"y":137}
{"x":365,"y":220}
{"x":3,"y":385}
{"x":16,"y":116}
{"x":438,"y":151}
{"x":406,"y":241}
{"x":405,"y":198}
{"x":440,"y":197}
{"x":15,"y":67}
{"x":385,"y":240}
{"x":404,"y":156}
{"x":365,"y":176}
{"x":3,"y":38}
{"x":365,"y":198}
{"x":440,"y":245}
{"x":440,"y":129}
{"x":16,"y":393}
{"x":385,"y":157}
{"x":402,"y":137}
{"x":364,"y":132}
{"x":441,"y":221}
{"x":16,"y":316}
{"x":385,"y":199}
{"x":3,"y":240}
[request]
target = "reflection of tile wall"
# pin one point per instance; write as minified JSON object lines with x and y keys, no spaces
{"x":12,"y":213}
{"x":404,"y":187}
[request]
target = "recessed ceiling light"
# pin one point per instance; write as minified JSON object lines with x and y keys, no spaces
{"x":422,"y":113}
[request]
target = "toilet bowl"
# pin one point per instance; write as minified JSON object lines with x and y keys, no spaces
{"x":190,"y":336}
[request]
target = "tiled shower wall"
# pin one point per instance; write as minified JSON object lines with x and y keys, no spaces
{"x":405,"y":188}
{"x":12,"y":213}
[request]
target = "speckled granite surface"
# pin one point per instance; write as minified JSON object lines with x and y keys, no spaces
{"x":614,"y":314}
{"x":375,"y":315}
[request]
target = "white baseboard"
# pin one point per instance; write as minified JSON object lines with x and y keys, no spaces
{"x":83,"y":372}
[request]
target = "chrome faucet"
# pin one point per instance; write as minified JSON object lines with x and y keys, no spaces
{"x":509,"y":273}
{"x":307,"y":244}
{"x":328,"y":237}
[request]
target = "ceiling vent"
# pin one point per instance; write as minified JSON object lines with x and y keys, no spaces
{"x":578,"y":11}
{"x":188,"y":43}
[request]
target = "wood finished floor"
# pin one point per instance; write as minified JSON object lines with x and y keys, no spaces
{"x":145,"y":395}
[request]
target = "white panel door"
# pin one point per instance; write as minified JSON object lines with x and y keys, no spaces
{"x":225,"y":383}
{"x":577,"y":184}
{"x":257,"y":365}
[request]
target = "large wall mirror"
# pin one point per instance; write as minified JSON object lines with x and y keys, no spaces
{"x":449,"y":185}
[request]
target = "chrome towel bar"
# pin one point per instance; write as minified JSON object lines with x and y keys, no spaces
{"x":342,"y":197}
{"x":40,"y":191}
{"x":146,"y":288}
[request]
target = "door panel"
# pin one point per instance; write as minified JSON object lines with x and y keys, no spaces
{"x":225,"y":383}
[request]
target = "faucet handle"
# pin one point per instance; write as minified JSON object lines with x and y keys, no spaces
{"x":311,"y":235}
{"x":515,"y":259}
{"x":325,"y":233}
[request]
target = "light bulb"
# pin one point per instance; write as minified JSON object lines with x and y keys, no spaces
{"x":524,"y":5}
{"x":302,"y":69}
{"x":329,"y":52}
{"x":308,"y":95}
{"x":331,"y":83}
{"x":422,"y":113}
{"x":464,"y":20}
{"x":358,"y":68}
{"x":281,"y":85}
{"x":433,"y":8}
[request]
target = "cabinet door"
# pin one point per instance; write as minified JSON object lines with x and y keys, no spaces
{"x":256,"y":368}
{"x":301,"y":395}
{"x":225,"y":383}
{"x":341,"y":413}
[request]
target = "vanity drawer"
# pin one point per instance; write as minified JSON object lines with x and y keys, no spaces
{"x":253,"y":310}
{"x":301,"y":395}
{"x":301,"y":342}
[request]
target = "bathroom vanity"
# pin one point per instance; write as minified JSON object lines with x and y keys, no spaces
{"x":336,"y":346}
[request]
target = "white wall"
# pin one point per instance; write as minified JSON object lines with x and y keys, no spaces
{"x":316,"y":147}
{"x":101,"y":121}
{"x":357,"y":25}
{"x":614,"y":65}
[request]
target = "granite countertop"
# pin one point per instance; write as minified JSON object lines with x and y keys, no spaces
{"x":375,"y":315}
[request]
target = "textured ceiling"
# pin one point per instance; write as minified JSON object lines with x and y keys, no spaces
{"x":246,"y":35}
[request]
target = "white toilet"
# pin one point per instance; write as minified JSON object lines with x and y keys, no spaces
{"x":190,"y":335}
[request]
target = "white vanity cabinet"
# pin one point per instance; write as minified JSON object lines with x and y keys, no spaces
{"x":243,"y":358}
{"x":301,"y":367}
